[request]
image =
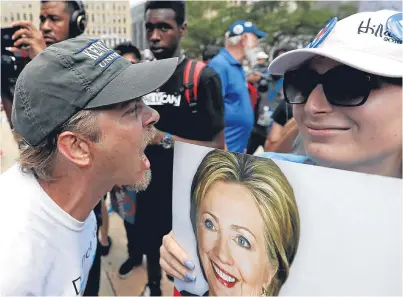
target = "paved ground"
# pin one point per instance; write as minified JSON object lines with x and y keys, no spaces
{"x":111,"y":284}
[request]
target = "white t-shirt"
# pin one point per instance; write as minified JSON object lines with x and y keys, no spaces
{"x":43,"y":250}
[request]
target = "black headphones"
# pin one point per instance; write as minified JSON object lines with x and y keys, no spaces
{"x":78,"y":20}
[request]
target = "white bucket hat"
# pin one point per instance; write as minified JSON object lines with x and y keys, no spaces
{"x":367,"y":41}
{"x":261,"y":55}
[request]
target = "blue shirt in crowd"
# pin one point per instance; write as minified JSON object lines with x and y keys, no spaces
{"x":238,"y":111}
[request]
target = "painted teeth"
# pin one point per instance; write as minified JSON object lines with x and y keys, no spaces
{"x":223,"y":275}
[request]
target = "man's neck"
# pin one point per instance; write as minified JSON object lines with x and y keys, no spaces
{"x":76,"y":195}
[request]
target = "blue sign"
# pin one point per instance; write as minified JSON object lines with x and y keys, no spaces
{"x":321,"y":36}
{"x":394,"y":26}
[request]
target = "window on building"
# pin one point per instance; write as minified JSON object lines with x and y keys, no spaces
{"x":124,"y":20}
{"x":29,"y":5}
{"x":5,"y":19}
{"x":124,"y":30}
{"x":18,"y":16}
{"x":30,"y":17}
{"x":25,"y":16}
{"x":119,"y":31}
{"x":12,"y":17}
{"x":114,"y":30}
{"x":93,"y":18}
{"x":103,"y":18}
{"x":113,"y":6}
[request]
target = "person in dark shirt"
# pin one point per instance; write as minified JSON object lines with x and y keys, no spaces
{"x":281,"y":115}
{"x":271,"y":96}
{"x":128,"y":51}
{"x":165,"y":25}
{"x":210,"y":52}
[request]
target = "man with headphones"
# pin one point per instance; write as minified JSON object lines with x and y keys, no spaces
{"x":59,"y":20}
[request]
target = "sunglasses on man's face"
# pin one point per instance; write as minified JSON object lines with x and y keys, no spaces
{"x":342,"y":85}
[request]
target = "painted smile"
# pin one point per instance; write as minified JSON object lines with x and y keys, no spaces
{"x":223,"y":276}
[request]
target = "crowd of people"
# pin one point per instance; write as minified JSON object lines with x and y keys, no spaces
{"x":87,"y":118}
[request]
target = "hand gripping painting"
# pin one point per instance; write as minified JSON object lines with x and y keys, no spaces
{"x":254,"y":226}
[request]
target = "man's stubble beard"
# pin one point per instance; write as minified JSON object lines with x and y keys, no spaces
{"x":143,"y":183}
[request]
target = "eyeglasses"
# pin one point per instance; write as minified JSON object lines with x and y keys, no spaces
{"x":342,"y":85}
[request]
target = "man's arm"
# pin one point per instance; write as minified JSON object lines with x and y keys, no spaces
{"x":210,"y":107}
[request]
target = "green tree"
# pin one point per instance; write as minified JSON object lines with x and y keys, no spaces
{"x":209,"y":20}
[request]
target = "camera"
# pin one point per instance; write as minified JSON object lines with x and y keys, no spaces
{"x":11,"y":65}
{"x":263,"y":85}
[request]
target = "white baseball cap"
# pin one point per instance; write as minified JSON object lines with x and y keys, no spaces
{"x":261,"y":55}
{"x":367,"y":41}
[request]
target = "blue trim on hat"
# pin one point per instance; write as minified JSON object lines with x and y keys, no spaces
{"x":323,"y":33}
{"x":87,"y":46}
{"x":111,"y":61}
{"x":101,"y":58}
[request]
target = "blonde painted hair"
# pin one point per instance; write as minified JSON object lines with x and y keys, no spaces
{"x":274,"y":198}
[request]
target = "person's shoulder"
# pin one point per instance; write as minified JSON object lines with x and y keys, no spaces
{"x":219,"y":61}
{"x":13,"y":184}
{"x":208,"y":73}
{"x":25,"y":261}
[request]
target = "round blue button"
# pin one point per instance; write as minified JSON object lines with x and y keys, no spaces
{"x":394,"y":26}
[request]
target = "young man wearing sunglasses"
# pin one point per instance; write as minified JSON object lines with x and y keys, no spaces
{"x":346,"y":91}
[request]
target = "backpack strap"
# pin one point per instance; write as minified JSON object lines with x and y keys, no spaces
{"x":191,"y":77}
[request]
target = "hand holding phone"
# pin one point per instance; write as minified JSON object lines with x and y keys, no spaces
{"x":27,"y":38}
{"x":6,"y":36}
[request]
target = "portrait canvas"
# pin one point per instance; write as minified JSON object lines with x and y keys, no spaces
{"x":255,"y":226}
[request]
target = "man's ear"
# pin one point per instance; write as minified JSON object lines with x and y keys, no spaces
{"x":245,"y":39}
{"x":75,"y":148}
{"x":183,"y":28}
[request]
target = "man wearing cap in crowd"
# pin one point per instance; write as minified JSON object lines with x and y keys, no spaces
{"x":81,"y":128}
{"x":241,"y":43}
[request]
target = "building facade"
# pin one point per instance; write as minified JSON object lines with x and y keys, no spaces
{"x":19,"y":10}
{"x":138,"y":26}
{"x":108,"y":20}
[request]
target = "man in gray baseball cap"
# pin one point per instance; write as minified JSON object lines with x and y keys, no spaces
{"x":81,"y":127}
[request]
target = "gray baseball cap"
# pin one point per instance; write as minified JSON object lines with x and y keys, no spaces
{"x":74,"y":75}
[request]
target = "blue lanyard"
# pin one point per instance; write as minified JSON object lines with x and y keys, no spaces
{"x":273,"y":92}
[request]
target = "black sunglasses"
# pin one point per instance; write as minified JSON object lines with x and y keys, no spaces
{"x":342,"y":85}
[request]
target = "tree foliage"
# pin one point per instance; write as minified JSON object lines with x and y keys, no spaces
{"x":293,"y":22}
